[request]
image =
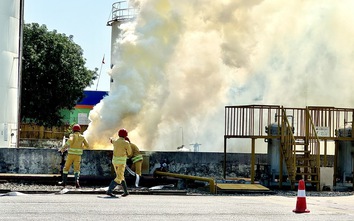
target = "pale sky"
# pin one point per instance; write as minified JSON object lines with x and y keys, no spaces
{"x":86,"y":21}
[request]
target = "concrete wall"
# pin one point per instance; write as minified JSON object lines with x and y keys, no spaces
{"x":98,"y":162}
{"x":205,"y":163}
{"x":47,"y":161}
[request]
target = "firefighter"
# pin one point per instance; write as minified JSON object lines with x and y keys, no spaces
{"x":121,"y":151}
{"x":75,"y":145}
{"x":137,"y":160}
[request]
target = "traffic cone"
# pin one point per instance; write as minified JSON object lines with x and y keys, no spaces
{"x":301,"y":199}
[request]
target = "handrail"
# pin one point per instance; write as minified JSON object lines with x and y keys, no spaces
{"x":250,"y":121}
{"x":289,"y":141}
{"x":312,"y":125}
{"x":122,"y":11}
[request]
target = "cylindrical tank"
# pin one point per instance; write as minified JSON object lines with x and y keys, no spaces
{"x":345,"y":155}
{"x":273,"y":151}
{"x":9,"y":71}
{"x":121,"y":12}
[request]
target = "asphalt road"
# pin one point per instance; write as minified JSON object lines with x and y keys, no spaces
{"x":166,"y":207}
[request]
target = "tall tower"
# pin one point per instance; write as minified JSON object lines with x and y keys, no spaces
{"x":10,"y":24}
{"x":121,"y":12}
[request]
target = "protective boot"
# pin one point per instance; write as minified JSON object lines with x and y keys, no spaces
{"x":65,"y":178}
{"x":137,"y":179}
{"x":77,"y":184}
{"x":111,"y":187}
{"x":125,"y":189}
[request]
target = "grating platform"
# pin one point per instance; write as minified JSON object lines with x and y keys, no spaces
{"x":242,"y":188}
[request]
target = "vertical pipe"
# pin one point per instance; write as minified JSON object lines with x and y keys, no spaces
{"x":20,"y":52}
{"x":325,"y":153}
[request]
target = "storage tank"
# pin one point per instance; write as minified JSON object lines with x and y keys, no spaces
{"x":345,"y":156}
{"x":273,"y":150}
{"x":10,"y":17}
{"x":122,"y":12}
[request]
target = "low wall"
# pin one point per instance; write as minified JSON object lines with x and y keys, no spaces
{"x":206,"y":164}
{"x":98,"y":162}
{"x":47,"y":161}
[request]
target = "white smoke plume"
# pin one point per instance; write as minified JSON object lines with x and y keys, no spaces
{"x":181,"y":62}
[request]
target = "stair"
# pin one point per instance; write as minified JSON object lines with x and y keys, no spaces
{"x":300,"y":158}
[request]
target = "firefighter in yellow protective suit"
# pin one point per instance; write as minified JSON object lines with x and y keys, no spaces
{"x":76,"y":144}
{"x":137,"y":159}
{"x":121,"y":151}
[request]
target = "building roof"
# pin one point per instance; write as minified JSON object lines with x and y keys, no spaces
{"x":91,"y":98}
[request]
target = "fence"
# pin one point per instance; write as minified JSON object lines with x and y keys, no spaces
{"x":35,"y":132}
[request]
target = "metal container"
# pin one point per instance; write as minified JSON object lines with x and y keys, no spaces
{"x":121,"y":12}
{"x":9,"y":71}
{"x":273,"y":151}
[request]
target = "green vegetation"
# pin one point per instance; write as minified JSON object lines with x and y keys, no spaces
{"x":54,"y":75}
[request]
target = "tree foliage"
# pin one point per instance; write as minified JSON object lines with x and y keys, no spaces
{"x":54,"y":75}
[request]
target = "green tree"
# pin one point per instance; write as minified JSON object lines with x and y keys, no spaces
{"x":54,"y":75}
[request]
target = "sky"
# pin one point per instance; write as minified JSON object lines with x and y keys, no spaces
{"x":86,"y":21}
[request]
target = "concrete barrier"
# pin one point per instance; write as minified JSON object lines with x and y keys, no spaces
{"x":98,"y":162}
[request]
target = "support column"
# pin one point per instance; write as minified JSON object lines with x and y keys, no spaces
{"x":335,"y":164}
{"x":224,"y":164}
{"x":253,"y":160}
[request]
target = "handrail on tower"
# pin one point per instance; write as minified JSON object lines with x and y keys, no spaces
{"x":122,"y":11}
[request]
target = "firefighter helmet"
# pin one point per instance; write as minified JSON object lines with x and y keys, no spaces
{"x":122,"y":132}
{"x":76,"y":128}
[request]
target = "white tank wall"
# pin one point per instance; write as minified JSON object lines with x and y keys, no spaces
{"x":9,"y":49}
{"x":121,"y":12}
{"x":114,"y":38}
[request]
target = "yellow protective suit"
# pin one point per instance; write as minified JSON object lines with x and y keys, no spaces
{"x":76,"y":144}
{"x":136,"y":158}
{"x":121,"y":150}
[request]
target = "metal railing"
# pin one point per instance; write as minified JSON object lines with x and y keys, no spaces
{"x":252,"y":121}
{"x":122,"y":11}
{"x":293,"y":127}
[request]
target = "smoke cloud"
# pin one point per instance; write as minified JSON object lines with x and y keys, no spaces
{"x":180,"y":62}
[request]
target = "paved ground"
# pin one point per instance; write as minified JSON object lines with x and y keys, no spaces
{"x":166,"y":207}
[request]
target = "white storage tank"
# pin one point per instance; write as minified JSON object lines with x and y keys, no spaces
{"x":121,"y":12}
{"x":10,"y":16}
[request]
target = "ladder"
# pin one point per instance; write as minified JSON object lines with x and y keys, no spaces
{"x":301,"y":155}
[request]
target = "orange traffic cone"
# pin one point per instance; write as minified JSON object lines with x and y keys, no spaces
{"x":301,"y":199}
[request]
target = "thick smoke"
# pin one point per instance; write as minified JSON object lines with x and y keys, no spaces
{"x":181,"y":62}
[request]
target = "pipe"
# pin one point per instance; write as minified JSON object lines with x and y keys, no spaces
{"x":212,"y":184}
{"x":19,"y":84}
